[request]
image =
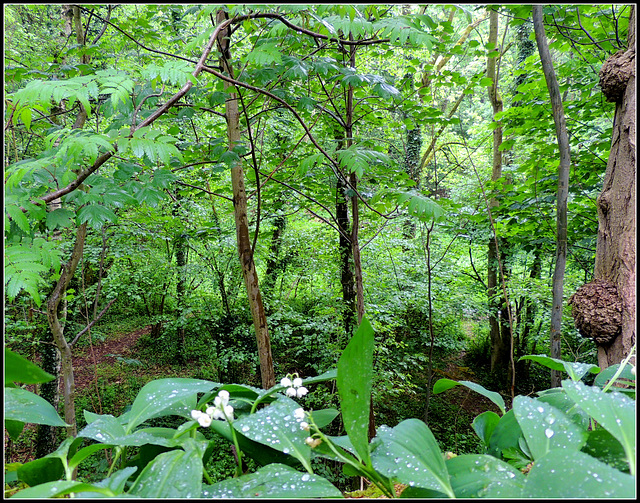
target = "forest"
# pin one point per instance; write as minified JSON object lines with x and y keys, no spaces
{"x":319,"y":251}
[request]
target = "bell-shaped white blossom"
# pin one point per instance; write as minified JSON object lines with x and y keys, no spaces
{"x":301,"y":391}
{"x":304,"y":426}
{"x":297,"y":382}
{"x":285,"y":382}
{"x":299,"y":414}
{"x":290,"y":392}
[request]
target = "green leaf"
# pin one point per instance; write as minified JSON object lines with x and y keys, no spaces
{"x":445,"y":384}
{"x":40,"y":471}
{"x":614,"y":411}
{"x":575,"y":370}
{"x":22,"y":405}
{"x":18,"y":216}
{"x":409,"y":453}
{"x":59,"y":488}
{"x":275,"y":481}
{"x":574,"y":474}
{"x":355,"y":372}
{"x":603,"y":446}
{"x":277,"y":427}
{"x":484,"y":424}
{"x":19,"y":369}
{"x":96,"y":215}
{"x":506,"y":434}
{"x":158,"y":395}
{"x":546,"y":428}
{"x":14,"y":428}
{"x":483,"y":476}
{"x":60,"y":217}
{"x":173,"y":474}
{"x":605,"y":376}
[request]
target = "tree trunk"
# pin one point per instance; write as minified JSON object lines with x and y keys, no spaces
{"x":245,"y":250}
{"x":563,"y":187}
{"x":500,"y":342}
{"x":616,"y":246}
{"x":66,"y":363}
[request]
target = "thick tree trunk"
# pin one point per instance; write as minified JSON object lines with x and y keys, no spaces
{"x":245,"y":250}
{"x":563,"y":187}
{"x":616,"y":246}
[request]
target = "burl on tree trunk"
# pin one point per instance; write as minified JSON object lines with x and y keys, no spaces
{"x":605,"y":309}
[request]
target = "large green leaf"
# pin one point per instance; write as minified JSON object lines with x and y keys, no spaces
{"x":173,"y":474}
{"x":263,"y":454}
{"x":575,"y":370}
{"x":277,"y":427}
{"x":19,"y":369}
{"x":571,"y":474}
{"x":22,"y":405}
{"x":614,"y":411}
{"x":545,"y":427}
{"x":273,"y":481}
{"x":506,"y":434}
{"x":409,"y":453}
{"x":603,"y":446}
{"x":445,"y":384}
{"x":355,"y":372}
{"x":559,"y":399}
{"x":60,"y":488}
{"x":160,"y":394}
{"x":484,"y":424}
{"x":483,"y":476}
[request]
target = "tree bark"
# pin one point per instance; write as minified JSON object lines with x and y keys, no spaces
{"x":245,"y":250}
{"x":66,"y":362}
{"x":500,"y":341}
{"x":563,"y":187}
{"x":616,"y":245}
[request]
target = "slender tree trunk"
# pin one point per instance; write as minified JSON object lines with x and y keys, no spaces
{"x":66,"y":363}
{"x":563,"y":187}
{"x":181,"y":263}
{"x":500,"y":341}
{"x":245,"y":250}
{"x":616,"y":246}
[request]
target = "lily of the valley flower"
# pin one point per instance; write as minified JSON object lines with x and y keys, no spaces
{"x":313,"y":442}
{"x":220,"y":410}
{"x":295,"y":387}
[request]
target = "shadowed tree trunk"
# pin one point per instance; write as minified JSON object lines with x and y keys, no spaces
{"x":613,"y":325}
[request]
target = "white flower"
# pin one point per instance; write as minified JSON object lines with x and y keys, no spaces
{"x":304,"y":425}
{"x":205,"y":420}
{"x":195,"y":414}
{"x":290,"y":392}
{"x":295,"y":387}
{"x":222,"y":399}
{"x":299,"y":414}
{"x":285,"y":382}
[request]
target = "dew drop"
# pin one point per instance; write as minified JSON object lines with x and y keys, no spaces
{"x":548,"y":433}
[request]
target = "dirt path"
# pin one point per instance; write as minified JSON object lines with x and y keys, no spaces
{"x":84,"y":364}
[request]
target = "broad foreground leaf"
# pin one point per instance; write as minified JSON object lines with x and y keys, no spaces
{"x":409,"y":453}
{"x":273,"y":481}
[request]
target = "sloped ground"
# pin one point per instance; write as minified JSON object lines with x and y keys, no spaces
{"x":84,"y":364}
